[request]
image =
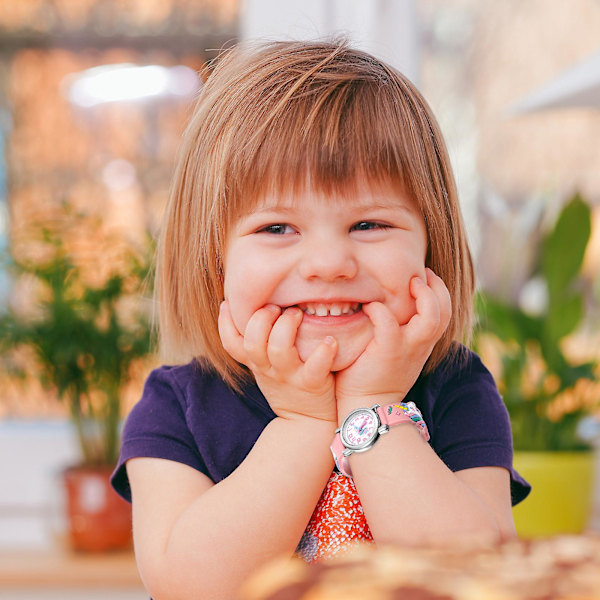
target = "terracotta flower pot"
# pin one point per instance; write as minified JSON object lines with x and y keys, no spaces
{"x":99,"y":520}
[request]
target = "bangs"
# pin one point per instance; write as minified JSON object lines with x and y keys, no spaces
{"x":331,"y":132}
{"x":330,"y":150}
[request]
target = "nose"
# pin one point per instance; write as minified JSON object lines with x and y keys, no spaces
{"x":328,"y":259}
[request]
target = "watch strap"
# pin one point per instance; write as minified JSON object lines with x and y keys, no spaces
{"x":403,"y":412}
{"x":341,"y":461}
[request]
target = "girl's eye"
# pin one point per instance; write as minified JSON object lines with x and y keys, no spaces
{"x":368,"y":225}
{"x":276,"y":229}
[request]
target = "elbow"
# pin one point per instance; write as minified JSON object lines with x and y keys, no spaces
{"x":171,"y":580}
{"x":165,"y":580}
{"x":487,"y":529}
{"x":507,"y":530}
{"x":176,"y":588}
{"x":479,"y":531}
{"x":484,"y":535}
{"x":160,"y":584}
{"x":182,"y":590}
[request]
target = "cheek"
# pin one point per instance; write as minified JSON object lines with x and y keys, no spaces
{"x":239,"y":314}
{"x":237,"y":284}
{"x":233,"y":291}
{"x":402,"y":307}
{"x":397,"y":293}
{"x":350,"y":345}
{"x":248,"y":286}
{"x":239,"y":297}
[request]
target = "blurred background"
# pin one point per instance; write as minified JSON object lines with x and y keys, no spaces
{"x":94,"y":96}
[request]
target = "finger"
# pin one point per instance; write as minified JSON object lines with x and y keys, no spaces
{"x":256,"y":335}
{"x":442,"y":294}
{"x":318,"y":365}
{"x":425,"y":323}
{"x":232,"y":340}
{"x":281,"y":349}
{"x":385,"y":325}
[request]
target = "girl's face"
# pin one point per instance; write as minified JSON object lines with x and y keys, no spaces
{"x":328,"y":256}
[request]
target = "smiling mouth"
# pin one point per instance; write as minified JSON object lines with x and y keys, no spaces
{"x":334,"y":309}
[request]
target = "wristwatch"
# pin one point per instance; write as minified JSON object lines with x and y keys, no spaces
{"x":361,"y":429}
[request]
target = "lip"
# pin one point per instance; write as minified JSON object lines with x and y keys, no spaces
{"x":332,"y":300}
{"x":344,"y":318}
{"x":351,"y":300}
{"x":340,"y":320}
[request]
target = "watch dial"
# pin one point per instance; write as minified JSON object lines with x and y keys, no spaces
{"x":360,"y":428}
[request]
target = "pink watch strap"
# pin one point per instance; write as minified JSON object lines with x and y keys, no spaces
{"x":403,"y":412}
{"x":341,"y":461}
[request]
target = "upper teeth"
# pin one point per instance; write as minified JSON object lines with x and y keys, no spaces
{"x":335,"y":309}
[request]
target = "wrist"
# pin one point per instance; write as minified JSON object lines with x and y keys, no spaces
{"x":302,"y":405}
{"x":306,"y":423}
{"x":362,"y":427}
{"x":346,"y":404}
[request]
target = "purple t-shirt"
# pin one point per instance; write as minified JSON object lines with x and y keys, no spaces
{"x":189,"y":415}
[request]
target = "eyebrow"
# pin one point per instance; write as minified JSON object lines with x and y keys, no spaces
{"x":290,"y":207}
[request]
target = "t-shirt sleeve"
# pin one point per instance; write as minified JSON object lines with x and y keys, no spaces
{"x":157,"y":428}
{"x":472,"y":426}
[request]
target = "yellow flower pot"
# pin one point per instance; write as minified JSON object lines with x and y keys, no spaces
{"x":561,"y":496}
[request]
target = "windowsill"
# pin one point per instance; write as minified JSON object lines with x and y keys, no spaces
{"x":62,"y":568}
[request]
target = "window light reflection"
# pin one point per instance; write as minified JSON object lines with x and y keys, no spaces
{"x":128,"y":82}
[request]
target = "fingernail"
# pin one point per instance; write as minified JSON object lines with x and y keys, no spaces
{"x":329,"y":340}
{"x":419,"y":281}
{"x":272,"y":308}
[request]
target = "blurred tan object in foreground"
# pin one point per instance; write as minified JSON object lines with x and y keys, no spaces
{"x":560,"y":568}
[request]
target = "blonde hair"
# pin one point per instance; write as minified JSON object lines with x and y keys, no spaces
{"x":269,"y":118}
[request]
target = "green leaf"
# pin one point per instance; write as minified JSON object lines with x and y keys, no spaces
{"x":564,"y":248}
{"x":564,"y":315}
{"x":505,"y":321}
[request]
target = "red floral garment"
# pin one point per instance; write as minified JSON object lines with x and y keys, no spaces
{"x":337,"y":523}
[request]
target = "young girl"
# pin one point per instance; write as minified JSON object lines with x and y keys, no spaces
{"x":314,"y":264}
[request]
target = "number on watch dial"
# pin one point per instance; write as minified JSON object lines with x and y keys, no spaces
{"x":360,"y":428}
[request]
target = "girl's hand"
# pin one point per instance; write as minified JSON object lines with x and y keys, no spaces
{"x":394,"y":358}
{"x":293,"y":388}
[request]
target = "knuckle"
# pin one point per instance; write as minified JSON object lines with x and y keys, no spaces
{"x":427,"y":327}
{"x":276,"y":351}
{"x":251,"y":347}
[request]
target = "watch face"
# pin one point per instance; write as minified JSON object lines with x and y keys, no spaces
{"x":360,"y":428}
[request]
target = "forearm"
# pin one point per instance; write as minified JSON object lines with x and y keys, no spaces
{"x":258,"y":512}
{"x":411,"y":497}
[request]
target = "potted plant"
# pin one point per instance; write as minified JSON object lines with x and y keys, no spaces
{"x":547,"y":392}
{"x":84,"y":337}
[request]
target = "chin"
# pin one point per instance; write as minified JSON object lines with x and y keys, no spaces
{"x":344,"y":361}
{"x":348,"y":351}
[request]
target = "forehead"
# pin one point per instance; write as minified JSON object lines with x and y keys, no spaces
{"x":365,"y":194}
